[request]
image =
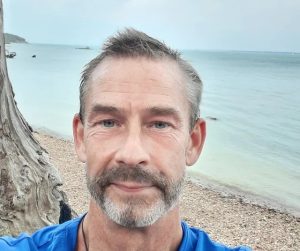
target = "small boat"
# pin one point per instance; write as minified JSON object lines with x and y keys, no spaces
{"x":83,"y":48}
{"x":10,"y":54}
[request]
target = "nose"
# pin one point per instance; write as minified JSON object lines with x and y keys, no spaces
{"x":132,"y":152}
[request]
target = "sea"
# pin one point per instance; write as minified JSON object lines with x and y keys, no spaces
{"x":251,"y":103}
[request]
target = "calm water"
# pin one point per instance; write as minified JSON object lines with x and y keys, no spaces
{"x":255,"y":142}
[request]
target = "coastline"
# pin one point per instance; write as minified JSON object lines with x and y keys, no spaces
{"x":246,"y":197}
{"x":230,"y":216}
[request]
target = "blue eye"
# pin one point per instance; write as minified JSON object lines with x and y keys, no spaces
{"x":160,"y":125}
{"x":108,"y":123}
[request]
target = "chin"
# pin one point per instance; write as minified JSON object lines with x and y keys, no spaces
{"x":135,"y":213}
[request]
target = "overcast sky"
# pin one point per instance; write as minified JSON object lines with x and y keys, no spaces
{"x":267,"y":25}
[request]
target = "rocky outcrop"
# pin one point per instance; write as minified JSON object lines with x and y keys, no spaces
{"x":10,"y":38}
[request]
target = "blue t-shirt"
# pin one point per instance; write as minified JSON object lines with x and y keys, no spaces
{"x":63,"y":237}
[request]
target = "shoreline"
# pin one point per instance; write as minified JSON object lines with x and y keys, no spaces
{"x":244,"y":196}
{"x":228,"y":218}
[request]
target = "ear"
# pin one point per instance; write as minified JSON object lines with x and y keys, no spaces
{"x":78,"y":135}
{"x":196,"y":141}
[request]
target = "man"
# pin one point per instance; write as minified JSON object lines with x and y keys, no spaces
{"x":137,"y":129}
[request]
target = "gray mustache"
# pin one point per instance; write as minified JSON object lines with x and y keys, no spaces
{"x":131,"y":173}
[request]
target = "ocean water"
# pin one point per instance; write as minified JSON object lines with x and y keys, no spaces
{"x":253,"y":145}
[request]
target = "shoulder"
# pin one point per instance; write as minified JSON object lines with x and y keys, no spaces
{"x":48,"y":238}
{"x":197,"y":240}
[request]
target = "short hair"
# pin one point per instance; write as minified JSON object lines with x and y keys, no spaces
{"x":131,"y":43}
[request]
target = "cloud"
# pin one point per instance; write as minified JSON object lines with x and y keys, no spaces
{"x":203,"y":24}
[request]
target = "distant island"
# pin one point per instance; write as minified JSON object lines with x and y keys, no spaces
{"x":10,"y":38}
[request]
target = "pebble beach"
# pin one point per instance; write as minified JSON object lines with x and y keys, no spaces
{"x":227,"y":218}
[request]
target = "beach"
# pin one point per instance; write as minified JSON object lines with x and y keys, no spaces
{"x":227,"y":218}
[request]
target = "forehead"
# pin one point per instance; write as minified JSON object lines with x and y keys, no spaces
{"x":139,"y":80}
{"x":136,"y":71}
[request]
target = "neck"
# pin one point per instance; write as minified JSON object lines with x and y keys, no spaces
{"x":103,"y":234}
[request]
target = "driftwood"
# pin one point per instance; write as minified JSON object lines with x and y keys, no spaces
{"x":29,"y":195}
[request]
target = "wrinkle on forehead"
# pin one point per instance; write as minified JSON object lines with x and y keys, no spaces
{"x":110,"y":86}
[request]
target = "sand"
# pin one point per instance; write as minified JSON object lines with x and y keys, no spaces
{"x":227,"y":218}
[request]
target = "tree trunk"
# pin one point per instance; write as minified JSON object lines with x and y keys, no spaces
{"x":29,"y":195}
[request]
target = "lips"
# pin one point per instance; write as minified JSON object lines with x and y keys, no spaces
{"x":131,"y":186}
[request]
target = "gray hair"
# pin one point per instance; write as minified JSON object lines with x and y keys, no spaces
{"x":132,"y":44}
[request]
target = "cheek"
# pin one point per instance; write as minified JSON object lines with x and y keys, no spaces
{"x":99,"y":154}
{"x":174,"y":143}
{"x":169,"y":152}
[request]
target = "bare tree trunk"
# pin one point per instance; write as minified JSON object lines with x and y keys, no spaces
{"x":29,"y":195}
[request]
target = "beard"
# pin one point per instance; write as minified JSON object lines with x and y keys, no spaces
{"x":135,"y":211}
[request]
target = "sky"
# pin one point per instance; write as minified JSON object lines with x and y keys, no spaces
{"x":248,"y":25}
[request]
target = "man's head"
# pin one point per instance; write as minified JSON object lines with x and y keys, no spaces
{"x":134,"y":44}
{"x":138,"y":127}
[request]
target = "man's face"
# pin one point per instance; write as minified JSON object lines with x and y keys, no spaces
{"x":135,"y":139}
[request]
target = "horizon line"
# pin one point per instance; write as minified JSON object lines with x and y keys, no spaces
{"x":181,"y":49}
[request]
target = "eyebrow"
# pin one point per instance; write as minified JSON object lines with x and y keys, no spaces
{"x":104,"y":109}
{"x":152,"y":111}
{"x":165,"y":111}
